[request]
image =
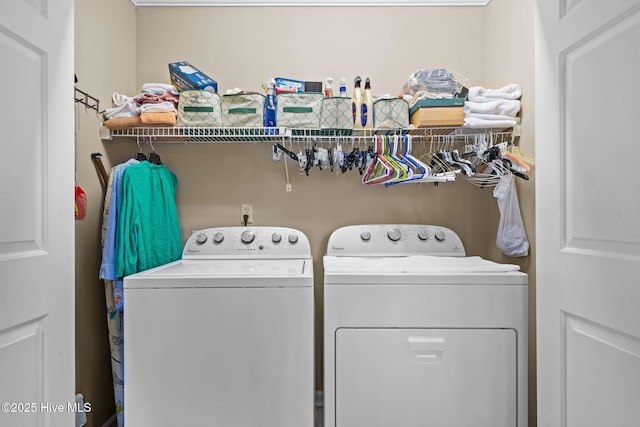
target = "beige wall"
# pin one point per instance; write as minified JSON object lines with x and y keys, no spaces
{"x":509,"y":54}
{"x":105,"y":62}
{"x":232,"y":45}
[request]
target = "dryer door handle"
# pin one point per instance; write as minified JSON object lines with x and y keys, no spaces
{"x":426,"y":349}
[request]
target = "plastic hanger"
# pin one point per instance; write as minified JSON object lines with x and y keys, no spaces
{"x":379,"y":169}
{"x":140,"y":156}
{"x":153,"y":156}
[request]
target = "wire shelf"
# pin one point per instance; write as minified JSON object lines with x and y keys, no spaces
{"x":281,"y":134}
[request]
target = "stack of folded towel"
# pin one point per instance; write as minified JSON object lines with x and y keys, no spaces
{"x":156,"y":105}
{"x":492,"y":108}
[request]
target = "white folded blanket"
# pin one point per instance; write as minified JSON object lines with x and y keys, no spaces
{"x":129,"y":109}
{"x":503,"y":107}
{"x":481,"y":94}
{"x":491,"y":117}
{"x":160,"y":88}
{"x":161,"y":106}
{"x":476,"y":123}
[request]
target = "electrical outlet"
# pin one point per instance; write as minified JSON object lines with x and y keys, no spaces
{"x":246,"y":210}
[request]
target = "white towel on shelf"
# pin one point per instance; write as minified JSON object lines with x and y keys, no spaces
{"x":481,"y":94}
{"x":129,"y":109}
{"x":476,"y":123}
{"x":503,"y":107}
{"x":159,"y":107}
{"x":160,"y":88}
{"x":491,"y":117}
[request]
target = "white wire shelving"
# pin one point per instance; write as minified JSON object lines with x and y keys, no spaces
{"x":189,"y":135}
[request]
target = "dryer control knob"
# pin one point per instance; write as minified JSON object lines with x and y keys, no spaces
{"x":423,"y":235}
{"x":201,"y":238}
{"x":394,"y":234}
{"x":276,"y":238}
{"x":218,"y":238}
{"x":439,"y":235}
{"x":293,"y":238}
{"x":247,"y":236}
{"x":365,"y":235}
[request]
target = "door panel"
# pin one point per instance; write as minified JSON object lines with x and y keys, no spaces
{"x":37,"y":361}
{"x":588,"y":233}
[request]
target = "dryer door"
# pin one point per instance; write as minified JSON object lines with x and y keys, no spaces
{"x":426,"y":377}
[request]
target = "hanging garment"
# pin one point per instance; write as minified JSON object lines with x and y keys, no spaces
{"x":148,"y":231}
{"x":511,"y":239}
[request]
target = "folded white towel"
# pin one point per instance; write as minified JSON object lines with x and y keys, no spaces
{"x":160,"y":88}
{"x":476,"y":123}
{"x":119,"y":100}
{"x":491,"y":116}
{"x":129,"y":109}
{"x":481,"y":94}
{"x":161,"y":106}
{"x":504,"y":107}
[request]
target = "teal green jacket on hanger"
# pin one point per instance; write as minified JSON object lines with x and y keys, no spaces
{"x":148,"y":229}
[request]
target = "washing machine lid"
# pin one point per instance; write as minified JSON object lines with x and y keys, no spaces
{"x":213,"y":273}
{"x":419,"y":269}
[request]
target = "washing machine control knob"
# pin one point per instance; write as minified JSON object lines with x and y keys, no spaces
{"x":247,"y":236}
{"x":365,"y":235}
{"x":394,"y":234}
{"x":201,"y":238}
{"x":423,"y":235}
{"x":218,"y":238}
{"x":276,"y":238}
{"x":293,"y":238}
{"x":439,"y":235}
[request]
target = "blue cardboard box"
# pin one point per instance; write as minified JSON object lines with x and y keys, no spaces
{"x":185,"y":76}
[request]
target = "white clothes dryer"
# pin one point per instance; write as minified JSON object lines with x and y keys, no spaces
{"x":224,"y":336}
{"x":417,"y":334}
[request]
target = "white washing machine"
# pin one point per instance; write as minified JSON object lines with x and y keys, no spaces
{"x":224,"y":336}
{"x":416,"y":334}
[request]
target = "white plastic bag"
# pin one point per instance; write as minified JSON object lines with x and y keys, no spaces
{"x":511,"y":239}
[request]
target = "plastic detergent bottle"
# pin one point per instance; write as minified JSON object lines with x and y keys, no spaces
{"x":328,"y":90}
{"x":356,"y":103}
{"x":269,"y":114}
{"x":343,"y":87}
{"x":367,"y":106}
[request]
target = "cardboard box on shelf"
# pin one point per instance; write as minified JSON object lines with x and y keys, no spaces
{"x":185,"y":76}
{"x":437,"y":112}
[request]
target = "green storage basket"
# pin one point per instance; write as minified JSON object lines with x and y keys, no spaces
{"x":391,"y":113}
{"x":299,"y":109}
{"x":336,"y":113}
{"x":243,"y":110}
{"x":199,"y":108}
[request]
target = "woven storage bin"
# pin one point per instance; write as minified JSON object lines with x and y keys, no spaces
{"x":243,"y":109}
{"x":197,"y":108}
{"x":299,"y":109}
{"x":392,"y":113}
{"x":336,"y":113}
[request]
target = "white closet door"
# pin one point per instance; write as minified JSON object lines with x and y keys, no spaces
{"x":36,"y":215}
{"x":588,"y":212}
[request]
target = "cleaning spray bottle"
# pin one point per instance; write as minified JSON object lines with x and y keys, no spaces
{"x":270,"y":106}
{"x":356,"y":103}
{"x":343,"y":87}
{"x":367,"y":106}
{"x":328,"y":90}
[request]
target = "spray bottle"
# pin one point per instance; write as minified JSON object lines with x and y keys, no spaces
{"x":269,"y":114}
{"x":343,"y":87}
{"x":328,"y":90}
{"x":367,"y":106}
{"x":356,"y":103}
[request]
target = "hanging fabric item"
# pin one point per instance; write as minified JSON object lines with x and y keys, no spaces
{"x":80,"y":203}
{"x":512,"y":239}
